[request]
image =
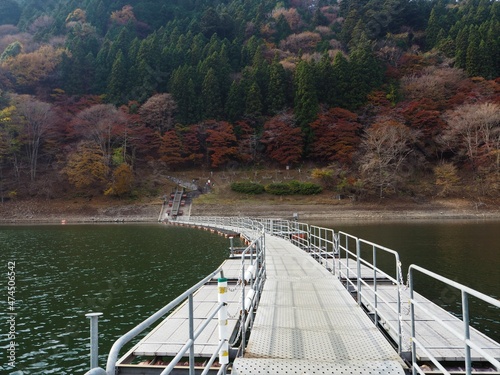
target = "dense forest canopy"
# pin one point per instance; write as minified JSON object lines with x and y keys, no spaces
{"x":376,"y":95}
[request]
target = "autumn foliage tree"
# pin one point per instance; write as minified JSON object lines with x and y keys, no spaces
{"x":447,"y":179}
{"x":194,"y":152}
{"x":87,"y":167}
{"x":122,"y":181}
{"x":247,"y":141}
{"x":28,"y":69}
{"x":423,"y":115}
{"x":335,"y":136}
{"x":284,"y":141}
{"x":221,"y":143}
{"x":172,"y":149}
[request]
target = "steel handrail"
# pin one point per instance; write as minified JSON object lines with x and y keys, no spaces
{"x":358,"y":287}
{"x":257,"y":235}
{"x":123,"y":340}
{"x":464,"y":336}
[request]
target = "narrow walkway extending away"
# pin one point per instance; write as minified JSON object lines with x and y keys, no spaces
{"x":307,"y":323}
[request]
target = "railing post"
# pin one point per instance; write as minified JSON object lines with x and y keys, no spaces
{"x":231,"y":246}
{"x":335,"y":250}
{"x":375,"y":317}
{"x":465,"y":316}
{"x":94,"y":339}
{"x":223,"y":328}
{"x":191,"y":333}
{"x":243,"y":311}
{"x":358,"y":270}
{"x":412,"y":314}
{"x":400,"y":281}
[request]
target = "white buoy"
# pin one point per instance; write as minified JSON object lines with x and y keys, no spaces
{"x":249,"y":299}
{"x":250,"y":273}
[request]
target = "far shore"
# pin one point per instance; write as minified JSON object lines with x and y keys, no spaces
{"x":84,"y":211}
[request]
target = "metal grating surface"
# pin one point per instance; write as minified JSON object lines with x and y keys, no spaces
{"x":244,"y":366}
{"x":172,"y":333}
{"x":439,"y":341}
{"x":307,"y":323}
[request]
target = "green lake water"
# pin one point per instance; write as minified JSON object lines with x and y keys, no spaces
{"x":62,"y":272}
{"x":130,"y":271}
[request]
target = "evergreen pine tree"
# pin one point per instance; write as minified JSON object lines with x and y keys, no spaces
{"x":493,"y":45}
{"x":133,"y":71}
{"x":326,"y":80}
{"x":235,"y":103}
{"x":211,"y":98}
{"x":482,"y":11}
{"x":183,"y":88}
{"x":223,"y":71}
{"x":306,"y":100}
{"x":102,"y":70}
{"x":73,"y":82}
{"x":88,"y":73}
{"x":282,"y":29}
{"x":192,"y":103}
{"x":433,"y":26}
{"x":348,"y":26}
{"x":365,"y":74}
{"x":99,"y":15}
{"x":253,"y":104}
{"x":341,"y":72}
{"x":260,"y":72}
{"x":277,"y":97}
{"x":117,"y":85}
{"x":121,"y":43}
{"x":473,"y":59}
{"x":487,"y":66}
{"x":461,"y":45}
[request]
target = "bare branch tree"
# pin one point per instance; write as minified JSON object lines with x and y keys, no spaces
{"x":158,"y":112}
{"x":36,"y":117}
{"x":473,"y":133}
{"x":387,"y":146}
{"x":98,"y":123}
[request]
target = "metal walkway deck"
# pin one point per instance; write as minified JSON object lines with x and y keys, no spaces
{"x":438,"y":340}
{"x":308,"y":323}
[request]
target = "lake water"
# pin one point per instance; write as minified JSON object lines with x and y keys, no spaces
{"x":62,"y":272}
{"x":130,"y":271}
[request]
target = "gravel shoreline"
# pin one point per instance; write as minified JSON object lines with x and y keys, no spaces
{"x":36,"y":212}
{"x":333,"y":212}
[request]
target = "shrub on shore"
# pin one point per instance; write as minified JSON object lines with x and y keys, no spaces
{"x":293,"y":188}
{"x":247,"y":187}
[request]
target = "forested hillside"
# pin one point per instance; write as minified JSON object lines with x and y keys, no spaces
{"x":374,"y":97}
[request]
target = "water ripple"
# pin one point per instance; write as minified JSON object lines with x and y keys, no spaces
{"x":125,"y":271}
